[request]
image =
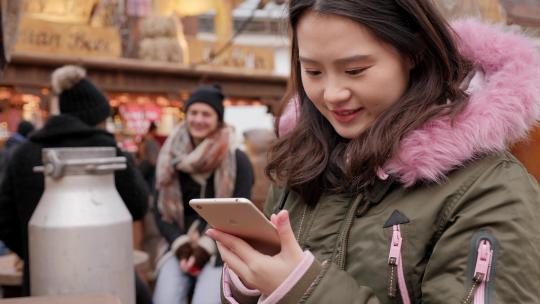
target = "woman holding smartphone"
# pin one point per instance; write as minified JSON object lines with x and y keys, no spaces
{"x":395,"y":185}
{"x":198,"y":160}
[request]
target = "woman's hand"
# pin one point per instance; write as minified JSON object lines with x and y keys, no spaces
{"x":255,"y":269}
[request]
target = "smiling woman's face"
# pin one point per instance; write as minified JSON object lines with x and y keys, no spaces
{"x":202,"y":120}
{"x":349,"y":75}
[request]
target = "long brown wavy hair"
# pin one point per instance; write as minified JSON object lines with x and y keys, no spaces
{"x":312,"y":158}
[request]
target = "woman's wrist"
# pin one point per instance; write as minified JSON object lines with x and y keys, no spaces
{"x":296,"y":274}
{"x":238,"y":284}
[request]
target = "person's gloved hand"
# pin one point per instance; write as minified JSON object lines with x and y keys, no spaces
{"x":194,"y":264}
{"x":201,"y":257}
{"x":184,"y":251}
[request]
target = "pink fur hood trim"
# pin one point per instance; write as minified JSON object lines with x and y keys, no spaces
{"x":504,"y":104}
{"x":499,"y":112}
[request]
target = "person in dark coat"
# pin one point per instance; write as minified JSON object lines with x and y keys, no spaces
{"x":84,"y":109}
{"x":21,"y":135}
{"x":23,"y":130}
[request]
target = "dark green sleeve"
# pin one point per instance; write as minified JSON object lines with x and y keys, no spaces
{"x":503,"y":204}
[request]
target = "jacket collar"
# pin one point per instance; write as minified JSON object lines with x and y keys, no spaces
{"x":61,"y":126}
{"x":504,"y":104}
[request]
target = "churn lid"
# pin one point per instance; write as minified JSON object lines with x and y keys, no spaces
{"x":58,"y":162}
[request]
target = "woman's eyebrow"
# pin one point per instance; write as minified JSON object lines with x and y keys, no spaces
{"x":344,"y":60}
{"x":306,"y":60}
{"x":353,"y":58}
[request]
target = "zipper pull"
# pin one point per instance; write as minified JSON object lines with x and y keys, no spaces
{"x":395,"y":246}
{"x":482,"y":270}
{"x":483,"y":261}
{"x":393,"y":260}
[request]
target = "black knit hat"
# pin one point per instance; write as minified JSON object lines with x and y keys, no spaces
{"x":209,"y":94}
{"x":78,"y":97}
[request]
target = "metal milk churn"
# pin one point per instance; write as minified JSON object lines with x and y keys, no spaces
{"x":80,"y":235}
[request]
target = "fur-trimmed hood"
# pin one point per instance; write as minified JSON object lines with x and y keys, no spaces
{"x":504,"y":105}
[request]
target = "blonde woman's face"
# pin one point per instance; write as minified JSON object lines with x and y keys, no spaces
{"x":350,"y":76}
{"x":202,"y":120}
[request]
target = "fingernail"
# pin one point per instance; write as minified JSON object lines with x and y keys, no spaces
{"x":283,"y":218}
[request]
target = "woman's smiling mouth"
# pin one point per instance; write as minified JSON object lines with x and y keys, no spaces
{"x":346,"y":115}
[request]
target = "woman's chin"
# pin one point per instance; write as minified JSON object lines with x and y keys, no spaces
{"x":349,"y":133}
{"x":199,"y":134}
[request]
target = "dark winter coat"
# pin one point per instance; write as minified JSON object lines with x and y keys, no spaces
{"x":10,"y":146}
{"x":21,"y":189}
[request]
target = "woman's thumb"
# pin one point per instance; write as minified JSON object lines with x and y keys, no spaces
{"x":286,"y":234}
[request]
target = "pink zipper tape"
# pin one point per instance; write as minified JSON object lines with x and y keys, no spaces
{"x":483,"y":266}
{"x":395,"y":253}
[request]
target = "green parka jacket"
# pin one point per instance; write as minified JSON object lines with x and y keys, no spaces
{"x":454,"y":218}
{"x":441,"y":227}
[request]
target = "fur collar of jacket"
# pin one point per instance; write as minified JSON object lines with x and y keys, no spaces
{"x":504,"y":105}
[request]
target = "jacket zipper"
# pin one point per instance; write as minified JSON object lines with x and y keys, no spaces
{"x":300,"y":226}
{"x":477,"y":291}
{"x":353,"y":212}
{"x":396,"y":276}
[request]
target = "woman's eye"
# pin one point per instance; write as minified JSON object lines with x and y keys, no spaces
{"x":354,"y":72}
{"x":313,"y":72}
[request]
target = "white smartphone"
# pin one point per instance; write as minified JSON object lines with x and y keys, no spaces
{"x":239,"y":217}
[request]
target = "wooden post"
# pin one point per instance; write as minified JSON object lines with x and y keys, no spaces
{"x":9,"y":23}
{"x":223,"y":24}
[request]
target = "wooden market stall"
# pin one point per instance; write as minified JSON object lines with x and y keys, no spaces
{"x":169,"y":60}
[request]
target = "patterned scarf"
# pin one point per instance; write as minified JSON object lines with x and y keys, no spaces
{"x":215,"y":154}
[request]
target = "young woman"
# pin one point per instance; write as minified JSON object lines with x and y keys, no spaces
{"x":199,"y":159}
{"x":395,"y":185}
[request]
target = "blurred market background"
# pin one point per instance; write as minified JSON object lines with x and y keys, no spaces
{"x":147,"y":55}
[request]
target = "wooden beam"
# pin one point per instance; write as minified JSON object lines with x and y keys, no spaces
{"x":136,"y":76}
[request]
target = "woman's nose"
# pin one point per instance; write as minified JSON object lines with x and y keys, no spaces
{"x":196,"y":118}
{"x":334,"y":93}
